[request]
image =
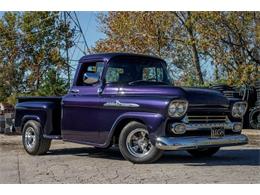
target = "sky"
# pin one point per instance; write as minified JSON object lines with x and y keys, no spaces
{"x":88,"y":21}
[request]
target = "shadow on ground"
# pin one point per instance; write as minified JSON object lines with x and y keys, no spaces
{"x":248,"y":157}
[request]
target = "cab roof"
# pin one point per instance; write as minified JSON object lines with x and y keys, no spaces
{"x":109,"y":56}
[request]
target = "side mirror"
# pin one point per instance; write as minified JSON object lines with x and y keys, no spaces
{"x":90,"y":78}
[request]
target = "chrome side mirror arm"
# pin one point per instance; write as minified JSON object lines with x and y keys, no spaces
{"x":101,"y":87}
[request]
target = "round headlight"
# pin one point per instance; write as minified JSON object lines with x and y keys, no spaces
{"x":239,"y":109}
{"x":178,"y":108}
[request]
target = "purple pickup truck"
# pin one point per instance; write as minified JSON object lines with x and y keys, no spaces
{"x":129,"y":100}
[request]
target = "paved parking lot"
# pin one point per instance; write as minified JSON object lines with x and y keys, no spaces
{"x":73,"y":163}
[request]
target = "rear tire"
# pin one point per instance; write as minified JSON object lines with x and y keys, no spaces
{"x":205,"y":152}
{"x":33,"y":141}
{"x":135,"y":145}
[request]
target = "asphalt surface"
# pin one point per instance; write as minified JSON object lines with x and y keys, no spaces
{"x":73,"y":163}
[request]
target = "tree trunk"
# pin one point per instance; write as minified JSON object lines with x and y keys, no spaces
{"x":194,"y":50}
{"x":195,"y":57}
{"x":38,"y":76}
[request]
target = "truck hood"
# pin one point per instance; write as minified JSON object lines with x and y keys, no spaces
{"x":203,"y":96}
{"x":195,"y":96}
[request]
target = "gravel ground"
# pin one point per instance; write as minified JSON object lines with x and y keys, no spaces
{"x":74,"y":163}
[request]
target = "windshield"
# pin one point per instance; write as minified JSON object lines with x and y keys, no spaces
{"x":137,"y":71}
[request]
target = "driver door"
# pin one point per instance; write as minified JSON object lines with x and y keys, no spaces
{"x":81,"y":116}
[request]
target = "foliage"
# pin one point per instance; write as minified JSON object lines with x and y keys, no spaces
{"x":31,"y":45}
{"x":230,"y":40}
{"x":193,"y":43}
{"x":53,"y":85}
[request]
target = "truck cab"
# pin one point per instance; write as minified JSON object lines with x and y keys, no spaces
{"x":129,"y":100}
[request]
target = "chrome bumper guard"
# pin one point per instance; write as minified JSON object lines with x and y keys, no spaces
{"x":194,"y":142}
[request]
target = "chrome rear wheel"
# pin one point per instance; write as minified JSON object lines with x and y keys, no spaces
{"x":33,"y":141}
{"x":30,"y":138}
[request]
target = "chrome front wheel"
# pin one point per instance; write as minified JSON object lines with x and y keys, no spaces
{"x":135,"y":145}
{"x":138,"y":143}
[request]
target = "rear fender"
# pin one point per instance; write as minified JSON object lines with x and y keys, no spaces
{"x":30,"y":117}
{"x":39,"y":111}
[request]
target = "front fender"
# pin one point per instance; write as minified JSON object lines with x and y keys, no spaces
{"x":155,"y":123}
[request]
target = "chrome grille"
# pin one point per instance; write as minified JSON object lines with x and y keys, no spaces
{"x":207,"y":119}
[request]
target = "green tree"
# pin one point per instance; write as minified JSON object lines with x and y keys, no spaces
{"x":229,"y":39}
{"x":191,"y":42}
{"x":170,"y":35}
{"x":52,"y":85}
{"x":10,"y":72}
{"x":31,"y":45}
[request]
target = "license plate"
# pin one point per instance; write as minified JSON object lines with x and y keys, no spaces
{"x":217,"y":132}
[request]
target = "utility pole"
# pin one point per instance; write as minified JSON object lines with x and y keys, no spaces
{"x":80,"y":46}
{"x":67,"y":49}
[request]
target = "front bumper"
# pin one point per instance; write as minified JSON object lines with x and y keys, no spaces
{"x":195,"y":142}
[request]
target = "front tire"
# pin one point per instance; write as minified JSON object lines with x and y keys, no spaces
{"x":135,"y":146}
{"x":33,"y":141}
{"x":204,"y":152}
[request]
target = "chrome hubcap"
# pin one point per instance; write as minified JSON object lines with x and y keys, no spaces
{"x":138,"y":143}
{"x":30,"y":137}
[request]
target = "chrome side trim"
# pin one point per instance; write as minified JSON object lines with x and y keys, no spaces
{"x":52,"y":136}
{"x":195,"y":142}
{"x":119,"y":104}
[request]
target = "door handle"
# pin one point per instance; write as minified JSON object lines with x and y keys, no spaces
{"x":74,"y":91}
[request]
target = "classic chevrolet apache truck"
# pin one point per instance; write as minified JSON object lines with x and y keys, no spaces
{"x":129,"y":100}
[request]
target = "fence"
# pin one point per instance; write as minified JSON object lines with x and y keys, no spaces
{"x":6,"y":118}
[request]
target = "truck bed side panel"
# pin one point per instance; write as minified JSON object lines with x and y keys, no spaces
{"x":45,"y":110}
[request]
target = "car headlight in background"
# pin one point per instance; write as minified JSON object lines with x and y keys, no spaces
{"x":239,"y":109}
{"x":177,"y":108}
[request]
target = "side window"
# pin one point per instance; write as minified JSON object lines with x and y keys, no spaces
{"x":90,"y":73}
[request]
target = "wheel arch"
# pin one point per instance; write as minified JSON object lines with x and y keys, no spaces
{"x":121,"y":124}
{"x":153,"y":121}
{"x":27,"y":118}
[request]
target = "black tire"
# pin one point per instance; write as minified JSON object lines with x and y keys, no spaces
{"x":205,"y":152}
{"x":153,"y":154}
{"x":40,"y":145}
{"x":253,"y":118}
